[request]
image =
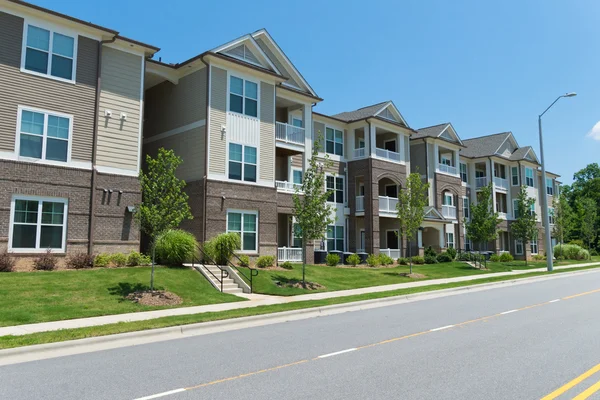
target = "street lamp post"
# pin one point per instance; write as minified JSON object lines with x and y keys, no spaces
{"x":546,"y":219}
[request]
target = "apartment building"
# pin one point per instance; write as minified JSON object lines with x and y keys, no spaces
{"x":71,"y":102}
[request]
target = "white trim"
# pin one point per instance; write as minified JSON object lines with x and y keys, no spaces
{"x":127,"y":49}
{"x":40,"y":201}
{"x":141,"y":120}
{"x":208,"y":112}
{"x":395,"y":109}
{"x":259,"y":182}
{"x":533,"y":176}
{"x":341,"y":157}
{"x":244,"y":78}
{"x":176,"y":131}
{"x":242,"y":212}
{"x":116,"y":171}
{"x":243,"y":162}
{"x":292,"y":170}
{"x":241,"y":40}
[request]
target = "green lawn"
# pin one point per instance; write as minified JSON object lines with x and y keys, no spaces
{"x":30,"y":297}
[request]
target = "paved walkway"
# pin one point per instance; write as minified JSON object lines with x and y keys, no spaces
{"x":255,"y":300}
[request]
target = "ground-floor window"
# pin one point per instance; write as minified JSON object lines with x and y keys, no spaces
{"x":449,"y":239}
{"x":296,"y":236}
{"x":468,"y":244}
{"x":335,"y":237}
{"x":245,"y":223}
{"x":38,"y":224}
{"x":519,"y":247}
{"x":534,"y":245}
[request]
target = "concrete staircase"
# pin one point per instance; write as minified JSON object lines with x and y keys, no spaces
{"x":229,"y":285}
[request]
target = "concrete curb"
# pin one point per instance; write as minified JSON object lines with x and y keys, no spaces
{"x":79,"y":346}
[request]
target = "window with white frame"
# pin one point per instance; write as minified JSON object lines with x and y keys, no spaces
{"x":297,"y":176}
{"x":463,"y":173}
{"x":242,"y":162}
{"x":49,"y":53}
{"x":244,"y":223}
{"x":532,"y":209}
{"x":335,"y":187}
{"x":549,"y":187}
{"x":514,"y":173}
{"x":243,"y":96}
{"x":38,"y":224}
{"x":334,"y":141}
{"x":449,"y":239}
{"x":448,"y":199}
{"x":466,"y":208}
{"x":519,"y":247}
{"x":296,"y":236}
{"x":551,"y":217}
{"x":446,"y":160}
{"x":516,"y":208}
{"x":468,"y":244}
{"x":529,"y":181}
{"x":335,"y":237}
{"x":533,"y":244}
{"x":43,"y":135}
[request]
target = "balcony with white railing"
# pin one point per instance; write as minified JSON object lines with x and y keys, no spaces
{"x":360,"y":153}
{"x":387,"y":204}
{"x":289,"y":254}
{"x":360,"y":203}
{"x":388,"y":155}
{"x":289,"y":133}
{"x":502,"y":215}
{"x":447,"y":169}
{"x":393,"y":253}
{"x":501,"y":183}
{"x":481,"y":182}
{"x":287,"y":187}
{"x":449,"y":212}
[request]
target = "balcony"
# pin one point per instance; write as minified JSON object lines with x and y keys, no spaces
{"x":289,"y":134}
{"x":449,"y":212}
{"x":289,"y":254}
{"x":360,"y":153}
{"x":387,"y":154}
{"x":393,"y":253}
{"x":388,"y":204}
{"x":502,"y":215}
{"x":287,"y":187}
{"x":481,"y":182}
{"x":501,"y":183}
{"x":447,"y":169}
{"x":360,"y":203}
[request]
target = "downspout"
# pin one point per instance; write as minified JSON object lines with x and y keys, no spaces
{"x":206,"y":131}
{"x":92,"y":222}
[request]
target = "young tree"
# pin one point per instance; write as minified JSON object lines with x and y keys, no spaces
{"x":563,"y":218}
{"x":164,"y":203}
{"x":524,"y":227}
{"x":483,"y":225}
{"x":588,"y":215}
{"x":311,"y":211}
{"x":412,"y":201}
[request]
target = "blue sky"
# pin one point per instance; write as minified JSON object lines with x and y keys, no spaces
{"x":487,"y":67}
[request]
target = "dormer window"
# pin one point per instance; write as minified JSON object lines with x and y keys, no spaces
{"x":49,"y":53}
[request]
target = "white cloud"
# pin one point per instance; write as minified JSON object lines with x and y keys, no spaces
{"x":595,"y":132}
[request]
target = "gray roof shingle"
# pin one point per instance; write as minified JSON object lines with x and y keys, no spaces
{"x":519,"y":154}
{"x":483,"y":146}
{"x":430,"y":131}
{"x":361,"y":113}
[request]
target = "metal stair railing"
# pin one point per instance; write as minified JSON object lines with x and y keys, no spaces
{"x":247,"y":277}
{"x":203,"y":256}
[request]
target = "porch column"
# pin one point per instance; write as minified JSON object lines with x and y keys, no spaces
{"x":290,"y":177}
{"x":442,"y":231}
{"x":400,"y":141}
{"x":493,"y":186}
{"x":308,"y":133}
{"x":436,"y":156}
{"x":372,"y":142}
{"x":420,"y":238}
{"x":351,"y":145}
{"x":456,"y":161}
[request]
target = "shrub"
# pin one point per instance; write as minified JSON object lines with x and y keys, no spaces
{"x":372,"y":260}
{"x":577,"y":242}
{"x":430,"y":252}
{"x":135,"y":258}
{"x":418,"y":260}
{"x":175,"y":246}
{"x":593,"y":252}
{"x":495,"y":258}
{"x":384,"y":259}
{"x":221,"y":247}
{"x":244,"y":261}
{"x":102,"y":260}
{"x":444,"y":258}
{"x":506,"y":257}
{"x":7,"y":263}
{"x":429,"y":259}
{"x":538,"y":257}
{"x":451,"y":252}
{"x":265,"y":261}
{"x":571,"y":252}
{"x":353,"y":259}
{"x":464,"y":257}
{"x":45,"y":262}
{"x":80,"y":261}
{"x":403,"y":261}
{"x":287,"y":265}
{"x":332,"y":259}
{"x":118,"y":259}
{"x":559,"y":258}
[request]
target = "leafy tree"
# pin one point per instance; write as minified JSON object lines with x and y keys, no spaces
{"x":483,"y":225}
{"x":524,"y":227}
{"x":563,"y":218}
{"x":586,"y":185}
{"x":311,"y":211}
{"x":164,"y":203}
{"x":588,"y":214}
{"x":412,"y":201}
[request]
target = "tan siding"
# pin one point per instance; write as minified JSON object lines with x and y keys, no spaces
{"x":319,"y":131}
{"x":297,"y":161}
{"x":218,"y":118}
{"x":267,"y":132}
{"x":169,"y":106}
{"x":19,"y":88}
{"x":276,"y":61}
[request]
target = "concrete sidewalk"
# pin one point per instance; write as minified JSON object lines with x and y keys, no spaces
{"x":255,"y":300}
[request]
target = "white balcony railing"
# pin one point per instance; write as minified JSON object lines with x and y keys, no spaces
{"x":285,"y":186}
{"x":289,"y":254}
{"x":501,"y":183}
{"x":393,"y":253}
{"x":481,"y":182}
{"x":289,"y":133}
{"x":387,"y":204}
{"x":360,"y":203}
{"x":387,"y":154}
{"x":360,"y":153}
{"x":448,"y":169}
{"x":449,"y":211}
{"x":502,"y":215}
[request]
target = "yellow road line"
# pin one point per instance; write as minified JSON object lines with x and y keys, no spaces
{"x":572,"y":383}
{"x":581,"y":294}
{"x":588,"y":392}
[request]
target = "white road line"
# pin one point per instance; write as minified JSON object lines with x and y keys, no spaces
{"x":163,"y":394}
{"x":508,"y":312}
{"x":441,"y":328}
{"x":554,"y":301}
{"x":336,"y":353}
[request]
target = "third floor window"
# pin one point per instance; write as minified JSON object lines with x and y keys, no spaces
{"x":243,"y":96}
{"x":529,"y":177}
{"x":334,"y":141}
{"x":49,"y":53}
{"x":463,"y":172}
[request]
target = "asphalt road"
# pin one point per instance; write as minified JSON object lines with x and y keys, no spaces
{"x":513,"y":342}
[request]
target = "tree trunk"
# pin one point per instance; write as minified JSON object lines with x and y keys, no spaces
{"x":409,"y":258}
{"x":303,"y":263}
{"x":153,"y":262}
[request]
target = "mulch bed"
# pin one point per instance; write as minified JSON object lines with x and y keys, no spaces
{"x":298,"y":285}
{"x":413,"y":275}
{"x":154,"y":298}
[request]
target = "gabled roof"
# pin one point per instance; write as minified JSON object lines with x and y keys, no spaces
{"x":383,"y":110}
{"x":484,"y":146}
{"x":524,"y":153}
{"x":443,"y":131}
{"x":431,"y":212}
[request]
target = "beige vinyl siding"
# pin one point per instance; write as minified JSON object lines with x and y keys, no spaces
{"x":263,"y":45}
{"x":267,"y":132}
{"x":20,"y":88}
{"x":218,"y":118}
{"x":118,"y":140}
{"x":169,"y":106}
{"x":319,"y":131}
{"x":297,"y":161}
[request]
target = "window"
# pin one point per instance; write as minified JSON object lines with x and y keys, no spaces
{"x":243,"y":96}
{"x":446,"y":160}
{"x":297,"y":122}
{"x":296,"y":236}
{"x":534,"y":244}
{"x":44,"y":135}
{"x":245,"y":224}
{"x":466,"y":208}
{"x":514,"y":173}
{"x":519,"y":247}
{"x":551,"y":218}
{"x":468,"y":244}
{"x":529,"y":177}
{"x":242,"y":162}
{"x":334,"y":141}
{"x":532,"y":209}
{"x":335,"y":237}
{"x":448,"y":199}
{"x":549,"y":187}
{"x":516,"y":209}
{"x":335,"y":187}
{"x":49,"y":53}
{"x":463,"y":173}
{"x":38,"y":224}
{"x":297,"y":176}
{"x":449,"y":239}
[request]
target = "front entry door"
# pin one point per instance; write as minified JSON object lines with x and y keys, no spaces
{"x":392,"y":240}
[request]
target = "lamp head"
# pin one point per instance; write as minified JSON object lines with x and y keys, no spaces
{"x":570,"y":94}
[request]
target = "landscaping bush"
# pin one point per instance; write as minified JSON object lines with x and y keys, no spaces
{"x":7,"y":263}
{"x":495,"y":258}
{"x":265,"y":261}
{"x":287,"y":265}
{"x":45,"y":262}
{"x":451,"y":252}
{"x":332,"y":259}
{"x":430,"y":252}
{"x":102,"y":260}
{"x":429,"y":259}
{"x":571,"y":252}
{"x":506,"y":257}
{"x":559,"y":258}
{"x":80,"y":261}
{"x":244,"y":261}
{"x":403,"y":261}
{"x":577,"y":242}
{"x":384,"y":259}
{"x":135,"y":258}
{"x":418,"y":260}
{"x":593,"y":252}
{"x":118,"y":259}
{"x":353,"y":259}
{"x":175,"y":246}
{"x":538,"y":257}
{"x":444,"y":258}
{"x":221,"y":247}
{"x":372,"y":260}
{"x":464,"y":257}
